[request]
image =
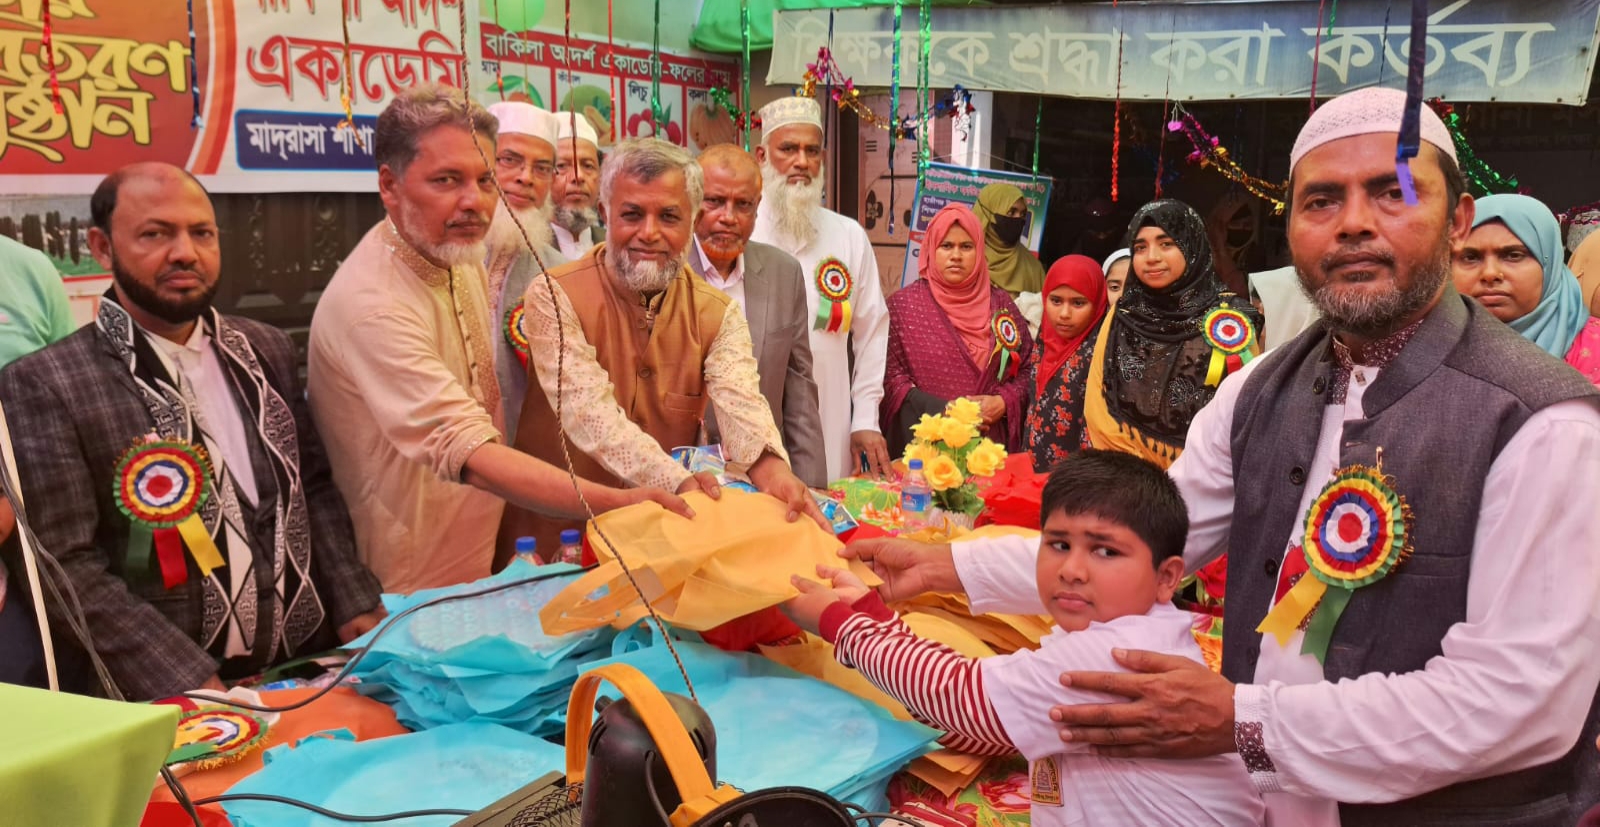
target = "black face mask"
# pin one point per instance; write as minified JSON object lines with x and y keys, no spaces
{"x":1008,"y":228}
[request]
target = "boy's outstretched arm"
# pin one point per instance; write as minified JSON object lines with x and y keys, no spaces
{"x":941,"y":687}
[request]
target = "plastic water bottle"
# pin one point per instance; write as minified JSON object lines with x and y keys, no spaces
{"x":915,"y":497}
{"x":571,"y":547}
{"x":527,"y":550}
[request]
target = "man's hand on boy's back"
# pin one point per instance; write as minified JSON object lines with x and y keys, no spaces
{"x":1176,"y":708}
{"x":908,"y":568}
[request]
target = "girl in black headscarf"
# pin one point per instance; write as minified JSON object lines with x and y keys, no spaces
{"x":1169,"y":341}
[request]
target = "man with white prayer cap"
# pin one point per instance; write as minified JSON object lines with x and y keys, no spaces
{"x":525,"y":156}
{"x":1405,"y":493}
{"x":577,"y":186}
{"x":843,"y":295}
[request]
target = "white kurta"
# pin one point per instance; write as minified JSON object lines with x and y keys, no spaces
{"x":1516,"y":677}
{"x":848,"y":402}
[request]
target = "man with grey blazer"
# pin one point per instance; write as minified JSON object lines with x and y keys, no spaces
{"x":767,"y":284}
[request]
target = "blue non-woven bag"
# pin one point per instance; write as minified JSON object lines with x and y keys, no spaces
{"x":459,"y":766}
{"x":777,"y":727}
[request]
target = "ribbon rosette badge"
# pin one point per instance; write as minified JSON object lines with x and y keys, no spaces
{"x":1007,"y":340}
{"x":161,"y":486}
{"x":1231,"y":335}
{"x":512,"y":328}
{"x":1357,"y":530}
{"x":833,"y":290}
{"x":212,"y":736}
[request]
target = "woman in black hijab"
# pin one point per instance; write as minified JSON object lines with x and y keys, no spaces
{"x":1169,"y":340}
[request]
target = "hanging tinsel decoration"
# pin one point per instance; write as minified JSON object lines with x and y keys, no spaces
{"x":1116,"y":113}
{"x":826,"y":72}
{"x":1483,"y":179}
{"x":194,"y":71}
{"x":566,"y":58}
{"x":924,"y":82}
{"x":499,"y":79}
{"x":658,"y":114}
{"x":345,"y":84}
{"x":1208,"y":152}
{"x":1038,"y":118}
{"x":744,"y":73}
{"x":613,"y":78}
{"x":894,"y":107}
{"x":47,"y":34}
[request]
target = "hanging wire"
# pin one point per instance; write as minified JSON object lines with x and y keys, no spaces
{"x":744,"y":68}
{"x":894,"y":109}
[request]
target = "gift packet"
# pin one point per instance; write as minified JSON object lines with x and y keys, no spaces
{"x":711,"y":460}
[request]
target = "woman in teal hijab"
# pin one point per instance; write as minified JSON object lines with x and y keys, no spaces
{"x":1512,"y":264}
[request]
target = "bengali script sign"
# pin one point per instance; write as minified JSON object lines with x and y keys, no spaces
{"x":1477,"y":50}
{"x":946,"y":184}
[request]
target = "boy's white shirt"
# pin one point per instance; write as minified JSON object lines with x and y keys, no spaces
{"x":1024,"y":685}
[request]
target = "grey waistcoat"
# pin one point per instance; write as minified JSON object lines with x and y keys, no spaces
{"x":1442,"y":411}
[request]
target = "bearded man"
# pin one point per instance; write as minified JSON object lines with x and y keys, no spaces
{"x":1361,"y":684}
{"x":519,"y":238}
{"x":843,"y":295}
{"x":576,"y":223}
{"x":401,"y":361}
{"x":161,"y":399}
{"x":630,"y":346}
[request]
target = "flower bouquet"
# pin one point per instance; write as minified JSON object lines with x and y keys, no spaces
{"x":953,"y":453}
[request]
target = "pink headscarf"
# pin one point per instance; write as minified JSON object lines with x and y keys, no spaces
{"x":1082,"y":274}
{"x":966,"y":304}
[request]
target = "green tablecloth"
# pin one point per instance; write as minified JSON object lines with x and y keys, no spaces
{"x":67,"y":759}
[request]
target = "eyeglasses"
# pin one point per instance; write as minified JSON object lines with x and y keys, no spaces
{"x":740,"y":207}
{"x":511,"y":163}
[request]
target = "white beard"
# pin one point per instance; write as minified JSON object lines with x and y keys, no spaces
{"x":450,"y":254}
{"x":647,"y":276}
{"x":503,"y":232}
{"x":795,"y":208}
{"x":576,"y":219}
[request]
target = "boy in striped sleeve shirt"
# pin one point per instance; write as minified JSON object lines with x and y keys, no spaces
{"x":1110,"y":558}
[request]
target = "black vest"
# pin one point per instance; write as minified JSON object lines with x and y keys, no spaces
{"x":1442,"y":411}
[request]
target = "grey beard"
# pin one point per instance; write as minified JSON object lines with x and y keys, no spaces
{"x":535,"y":221}
{"x":576,"y":219}
{"x":1378,"y":316}
{"x":645,"y":277}
{"x":450,"y":254}
{"x":795,"y":207}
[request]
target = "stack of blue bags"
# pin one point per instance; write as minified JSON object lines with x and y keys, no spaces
{"x":482,"y":659}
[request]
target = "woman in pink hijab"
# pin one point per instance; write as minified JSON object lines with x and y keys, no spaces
{"x":952,"y":333}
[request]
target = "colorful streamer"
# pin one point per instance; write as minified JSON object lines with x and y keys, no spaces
{"x":194,"y":71}
{"x":658,"y":114}
{"x":744,"y":71}
{"x":613,"y":78}
{"x":47,"y":34}
{"x":894,"y":108}
{"x":1116,"y":114}
{"x":1038,"y":118}
{"x":924,"y":78}
{"x":345,"y":93}
{"x":1410,"y":142}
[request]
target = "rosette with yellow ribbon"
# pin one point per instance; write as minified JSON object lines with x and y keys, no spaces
{"x":511,"y":328}
{"x":833,"y":296}
{"x":161,"y":485}
{"x":1007,"y":341}
{"x":1231,"y":335}
{"x":1357,"y":530}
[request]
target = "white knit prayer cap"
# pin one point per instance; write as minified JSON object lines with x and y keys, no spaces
{"x":1365,"y":112}
{"x":575,"y":125}
{"x":520,"y":118}
{"x":788,"y":111}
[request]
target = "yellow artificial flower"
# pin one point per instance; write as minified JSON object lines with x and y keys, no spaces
{"x":965,"y":410}
{"x":928,"y":427}
{"x":920,"y":450}
{"x":986,"y":459}
{"x":956,"y":433}
{"x":943,"y":474}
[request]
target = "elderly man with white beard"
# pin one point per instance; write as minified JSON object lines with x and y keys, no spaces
{"x":630,"y":346}
{"x":576,"y":220}
{"x":401,"y":372}
{"x":524,"y":163}
{"x":843,"y":295}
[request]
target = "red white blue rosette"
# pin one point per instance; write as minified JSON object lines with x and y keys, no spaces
{"x":1007,"y":341}
{"x":1356,"y":531}
{"x":834,"y":285}
{"x":1231,"y":336}
{"x":161,"y":484}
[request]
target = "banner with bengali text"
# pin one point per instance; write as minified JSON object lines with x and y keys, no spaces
{"x":276,"y":112}
{"x":1477,"y":50}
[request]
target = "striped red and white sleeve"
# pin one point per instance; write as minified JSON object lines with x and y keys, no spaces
{"x":941,"y":687}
